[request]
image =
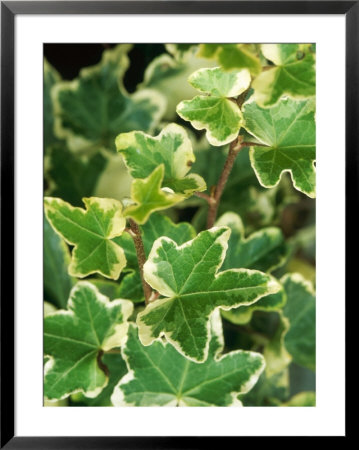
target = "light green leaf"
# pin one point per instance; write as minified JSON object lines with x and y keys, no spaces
{"x":160,"y":376}
{"x":149,"y":197}
{"x":276,"y":355}
{"x":293,"y":74}
{"x":187,"y":278}
{"x":181,"y":51}
{"x":300,"y":313}
{"x":71,"y":176}
{"x":51,"y":77}
{"x":172,"y":148}
{"x":91,"y":231}
{"x":263,"y":250}
{"x":57,"y":281}
{"x":232,"y":56}
{"x":94,"y":108}
{"x":287,"y":133}
{"x":76,"y":339}
{"x":302,"y":399}
{"x":216,"y":113}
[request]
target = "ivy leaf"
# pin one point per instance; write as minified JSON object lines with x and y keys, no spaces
{"x":263,"y":250}
{"x":293,"y":74}
{"x":91,"y":231}
{"x":95,"y":107}
{"x":301,"y":399}
{"x":181,"y":51}
{"x":160,"y":376}
{"x":287,"y":133}
{"x":300,"y":313}
{"x":72,"y":177}
{"x":232,"y":56}
{"x":76,"y":339}
{"x":216,"y":113}
{"x":57,"y":282}
{"x":186,"y":276}
{"x":149,"y":197}
{"x":51,"y":77}
{"x":157,"y":225}
{"x":268,"y":391}
{"x":172,"y":148}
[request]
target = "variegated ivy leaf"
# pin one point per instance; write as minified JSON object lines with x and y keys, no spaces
{"x":287,"y":135}
{"x":157,"y":225}
{"x":299,"y":311}
{"x":263,"y":250}
{"x":149,"y":196}
{"x":268,"y":391}
{"x":57,"y":281}
{"x":293,"y":73}
{"x":51,"y":77}
{"x":233,"y":56}
{"x":172,"y":148}
{"x":306,"y":398}
{"x":76,"y":339}
{"x":186,"y":276}
{"x":92,"y":232}
{"x":94,"y":108}
{"x":181,"y":51}
{"x":160,"y":376}
{"x":216,"y":113}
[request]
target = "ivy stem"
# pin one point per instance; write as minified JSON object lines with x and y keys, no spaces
{"x":135,"y":232}
{"x":216,"y":194}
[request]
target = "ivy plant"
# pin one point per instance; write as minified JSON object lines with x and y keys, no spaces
{"x":187,"y":283}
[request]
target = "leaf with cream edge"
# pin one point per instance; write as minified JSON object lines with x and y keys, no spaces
{"x":287,"y":135}
{"x":160,"y":376}
{"x":172,"y":148}
{"x":149,"y":196}
{"x":51,"y":78}
{"x":92,"y":232}
{"x":233,"y":56}
{"x":216,"y":113}
{"x":186,"y":276}
{"x":76,"y":339}
{"x":95,"y":107}
{"x":263,"y":250}
{"x":293,"y":73}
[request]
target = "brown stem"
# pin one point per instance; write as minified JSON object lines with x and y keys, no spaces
{"x":234,"y":149}
{"x":141,"y":257}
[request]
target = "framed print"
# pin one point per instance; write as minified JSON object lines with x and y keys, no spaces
{"x":175,"y":179}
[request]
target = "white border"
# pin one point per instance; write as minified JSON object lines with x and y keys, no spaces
{"x":327,"y":418}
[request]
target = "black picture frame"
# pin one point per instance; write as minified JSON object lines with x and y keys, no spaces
{"x":9,"y":10}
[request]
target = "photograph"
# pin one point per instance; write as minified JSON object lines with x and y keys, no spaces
{"x":179,"y":226}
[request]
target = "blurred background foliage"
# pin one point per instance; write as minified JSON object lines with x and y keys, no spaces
{"x":151,"y":79}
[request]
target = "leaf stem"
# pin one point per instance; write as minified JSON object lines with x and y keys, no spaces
{"x":234,"y":149}
{"x":135,"y":232}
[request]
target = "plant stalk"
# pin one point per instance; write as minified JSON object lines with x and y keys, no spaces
{"x":141,"y":257}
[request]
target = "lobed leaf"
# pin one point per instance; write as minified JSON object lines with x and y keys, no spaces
{"x":287,"y":135}
{"x":172,"y":148}
{"x":216,"y":113}
{"x":186,"y":276}
{"x":76,"y":339}
{"x":92,"y":232}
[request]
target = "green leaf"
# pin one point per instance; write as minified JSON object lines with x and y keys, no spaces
{"x":187,"y":278}
{"x":72,"y":177}
{"x":131,"y":287}
{"x":149,"y":196}
{"x":293,"y":74}
{"x":51,"y":77}
{"x":287,"y":133}
{"x":172,"y":148}
{"x":57,"y":282}
{"x":91,"y":231}
{"x":300,"y":312}
{"x":263,"y":250}
{"x":76,"y":339}
{"x":276,"y":355}
{"x":160,"y":376}
{"x":94,"y":108}
{"x":232,"y":56}
{"x":216,"y":113}
{"x":302,"y":399}
{"x":157,"y":225}
{"x":117,"y":369}
{"x":268,"y":391}
{"x":181,"y":51}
